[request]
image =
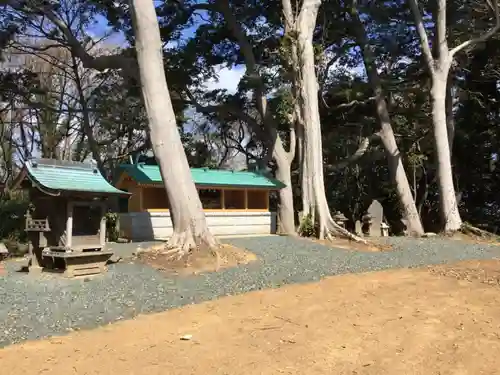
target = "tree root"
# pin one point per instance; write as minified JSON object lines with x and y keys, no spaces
{"x":467,"y":228}
{"x":331,"y":228}
{"x":184,"y":244}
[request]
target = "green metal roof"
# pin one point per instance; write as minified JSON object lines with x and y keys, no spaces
{"x":205,"y":177}
{"x":68,"y":176}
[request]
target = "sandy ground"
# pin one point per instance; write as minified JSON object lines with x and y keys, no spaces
{"x":392,"y":322}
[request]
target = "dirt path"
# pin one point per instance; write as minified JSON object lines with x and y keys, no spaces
{"x":376,"y":323}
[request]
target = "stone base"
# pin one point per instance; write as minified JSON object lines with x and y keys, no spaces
{"x":35,"y":269}
{"x":78,"y":263}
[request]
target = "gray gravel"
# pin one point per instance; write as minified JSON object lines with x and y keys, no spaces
{"x":33,"y":307}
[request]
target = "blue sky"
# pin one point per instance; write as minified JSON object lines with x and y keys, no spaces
{"x":228,"y":78}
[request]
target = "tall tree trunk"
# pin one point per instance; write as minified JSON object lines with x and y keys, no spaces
{"x":190,"y":226}
{"x":395,"y":161}
{"x":305,"y":178}
{"x":286,"y":218}
{"x":313,"y":148}
{"x":291,"y":61}
{"x":283,"y":159}
{"x":450,"y":116}
{"x":439,"y":69}
{"x":448,"y":202}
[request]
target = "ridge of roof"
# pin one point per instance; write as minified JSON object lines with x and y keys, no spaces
{"x":206,"y":176}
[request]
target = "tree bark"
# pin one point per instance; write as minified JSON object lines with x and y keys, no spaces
{"x":305,"y":178}
{"x":448,"y":202}
{"x":286,"y":217}
{"x":313,"y":148}
{"x":190,"y":227}
{"x":450,"y":117}
{"x":439,"y":69}
{"x":283,"y":159}
{"x":395,"y":161}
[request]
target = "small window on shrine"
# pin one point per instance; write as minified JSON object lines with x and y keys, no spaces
{"x":211,"y":198}
{"x":155,"y":198}
{"x":234,"y":199}
{"x":258,"y":199}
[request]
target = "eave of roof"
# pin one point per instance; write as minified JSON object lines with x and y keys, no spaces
{"x":54,"y":178}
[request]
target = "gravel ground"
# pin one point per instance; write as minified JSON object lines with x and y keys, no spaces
{"x":33,"y":307}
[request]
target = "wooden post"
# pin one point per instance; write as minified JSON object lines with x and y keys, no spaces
{"x":246,"y":199}
{"x":141,"y":191}
{"x":69,"y":224}
{"x":267,"y":200}
{"x":102,"y":227}
{"x":223,"y":200}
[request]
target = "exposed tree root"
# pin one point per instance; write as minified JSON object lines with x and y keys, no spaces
{"x":330,"y":229}
{"x":467,"y":228}
{"x":184,"y":244}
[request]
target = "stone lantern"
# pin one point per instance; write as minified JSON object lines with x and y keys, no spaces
{"x":340,"y":219}
{"x":366,"y":223}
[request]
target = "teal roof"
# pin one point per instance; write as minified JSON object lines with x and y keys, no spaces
{"x":205,"y":177}
{"x":57,"y":175}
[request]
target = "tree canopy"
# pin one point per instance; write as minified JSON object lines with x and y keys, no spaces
{"x":70,"y":88}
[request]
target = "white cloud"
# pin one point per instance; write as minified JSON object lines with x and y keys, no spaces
{"x":227,"y":79}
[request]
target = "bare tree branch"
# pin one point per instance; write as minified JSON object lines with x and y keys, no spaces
{"x":363,"y":147}
{"x":494,"y":6}
{"x":100,"y":63}
{"x":424,"y":39}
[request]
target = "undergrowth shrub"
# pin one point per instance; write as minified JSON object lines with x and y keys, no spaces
{"x":307,"y":227}
{"x":112,"y":229}
{"x":13,"y":206}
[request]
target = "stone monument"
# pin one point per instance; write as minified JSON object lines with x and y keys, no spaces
{"x":376,"y":212}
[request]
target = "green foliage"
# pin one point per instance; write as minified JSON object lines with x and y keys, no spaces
{"x":112,"y":229}
{"x":307,"y":227}
{"x":346,"y":98}
{"x":12,"y":220}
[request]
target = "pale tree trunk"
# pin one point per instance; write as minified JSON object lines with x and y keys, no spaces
{"x":448,"y":202}
{"x":313,"y":149}
{"x":395,"y":161}
{"x":439,"y":69}
{"x":450,"y":117}
{"x":190,"y":226}
{"x":286,"y":217}
{"x":282,"y":158}
{"x":306,"y":181}
{"x":294,"y":67}
{"x":290,"y":22}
